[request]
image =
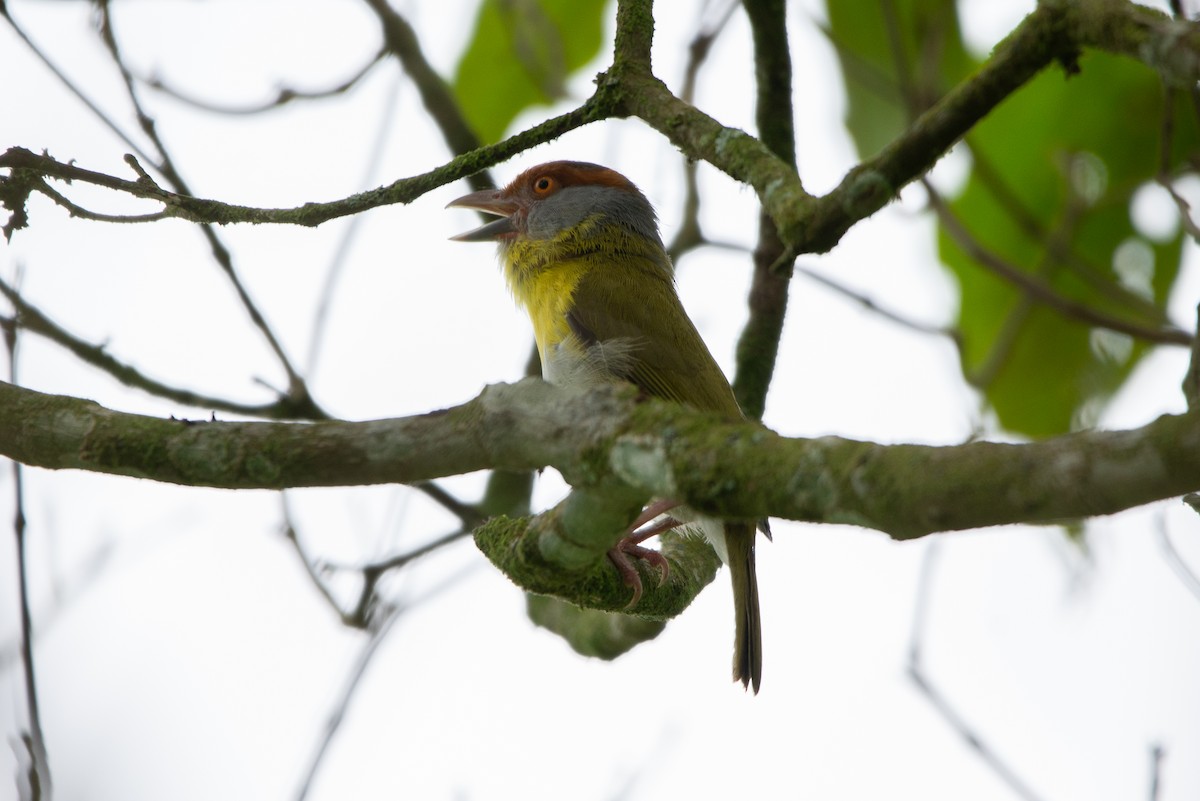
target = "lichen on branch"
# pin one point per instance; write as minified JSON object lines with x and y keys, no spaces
{"x":738,"y":470}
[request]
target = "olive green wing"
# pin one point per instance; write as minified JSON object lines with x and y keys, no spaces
{"x":663,"y":354}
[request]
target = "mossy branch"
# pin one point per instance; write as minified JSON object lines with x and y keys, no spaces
{"x":517,"y":548}
{"x":1056,"y":31}
{"x":616,"y":451}
{"x":28,"y":171}
{"x":609,"y":442}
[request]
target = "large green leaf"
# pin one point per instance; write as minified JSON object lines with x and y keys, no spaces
{"x":1055,"y":168}
{"x":884,"y":85}
{"x":520,"y":54}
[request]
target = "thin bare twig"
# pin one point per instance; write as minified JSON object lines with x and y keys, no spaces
{"x":297,"y":389}
{"x":916,"y":672}
{"x":283,"y":95}
{"x":337,"y":264}
{"x":1164,"y":178}
{"x":30,"y":318}
{"x":469,"y":515}
{"x":1038,"y":290}
{"x":689,"y":235}
{"x":106,"y":120}
{"x":72,"y":588}
{"x":1185,"y":209}
{"x":1181,"y":14}
{"x":402,"y":41}
{"x":1157,"y":753}
{"x":861,"y":72}
{"x":337,"y":715}
{"x":1015,"y":319}
{"x":1191,"y":379}
{"x":900,"y":60}
{"x":375,"y":571}
{"x":314,"y":575}
{"x":379,"y":629}
{"x":912,"y":95}
{"x":872,"y":305}
{"x":39,"y":778}
{"x":1185,"y":573}
{"x":1056,"y":247}
{"x":87,"y":214}
{"x":366,"y":607}
{"x":298,"y":392}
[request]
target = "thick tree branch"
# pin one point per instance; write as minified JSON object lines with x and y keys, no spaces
{"x":1037,"y":41}
{"x":30,"y":318}
{"x":608,"y":441}
{"x":1169,"y":46}
{"x":1055,"y":31}
{"x":617,"y":451}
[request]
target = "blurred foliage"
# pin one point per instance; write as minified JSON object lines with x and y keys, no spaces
{"x":878,"y":42}
{"x":1055,"y":173}
{"x":520,"y":54}
{"x":1052,"y":174}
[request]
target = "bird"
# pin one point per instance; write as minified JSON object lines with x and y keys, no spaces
{"x":581,"y":253}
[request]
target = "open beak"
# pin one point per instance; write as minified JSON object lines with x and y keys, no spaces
{"x":491,"y":201}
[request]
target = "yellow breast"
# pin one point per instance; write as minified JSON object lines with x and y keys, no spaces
{"x":543,"y":276}
{"x":546,"y":297}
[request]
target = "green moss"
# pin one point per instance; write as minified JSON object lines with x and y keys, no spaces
{"x":262,"y":469}
{"x":136,"y":447}
{"x":591,"y":632}
{"x":511,"y":545}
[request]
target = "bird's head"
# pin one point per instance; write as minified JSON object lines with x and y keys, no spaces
{"x":551,"y":199}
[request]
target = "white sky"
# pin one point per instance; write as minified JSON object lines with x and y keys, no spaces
{"x":196,"y":661}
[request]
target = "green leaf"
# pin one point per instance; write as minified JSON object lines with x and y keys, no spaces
{"x":520,"y":54}
{"x":1055,"y":168}
{"x":881,"y":95}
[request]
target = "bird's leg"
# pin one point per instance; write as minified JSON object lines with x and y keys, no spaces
{"x":630,"y":547}
{"x":656,"y":508}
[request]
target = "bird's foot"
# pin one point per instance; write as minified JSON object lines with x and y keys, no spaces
{"x":656,"y":508}
{"x":630,"y":548}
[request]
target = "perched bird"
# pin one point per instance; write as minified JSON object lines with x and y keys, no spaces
{"x":582,"y":254}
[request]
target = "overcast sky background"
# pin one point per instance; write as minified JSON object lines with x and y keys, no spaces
{"x":183,"y":653}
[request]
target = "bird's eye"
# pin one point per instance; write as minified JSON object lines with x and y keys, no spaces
{"x":543,"y":185}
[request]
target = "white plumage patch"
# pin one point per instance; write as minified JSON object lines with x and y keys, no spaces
{"x":570,"y":363}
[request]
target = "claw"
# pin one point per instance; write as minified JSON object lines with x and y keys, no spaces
{"x":629,"y":574}
{"x":630,"y":548}
{"x":622,"y":557}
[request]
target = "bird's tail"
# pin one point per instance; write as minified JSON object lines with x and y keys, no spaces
{"x":747,"y":644}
